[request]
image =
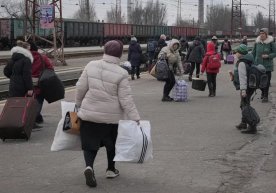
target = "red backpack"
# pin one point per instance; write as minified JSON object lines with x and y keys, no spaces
{"x":214,"y":62}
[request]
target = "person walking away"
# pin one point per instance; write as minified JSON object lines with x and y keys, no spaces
{"x":240,"y":81}
{"x":184,"y":46}
{"x":173,"y":58}
{"x":151,"y":46}
{"x":264,"y":51}
{"x":195,"y":55}
{"x":134,"y":57}
{"x":244,"y":40}
{"x":40,"y":62}
{"x":160,"y":44}
{"x":103,"y":97}
{"x":214,"y":39}
{"x":225,"y":49}
{"x":211,"y":64}
{"x":19,"y":71}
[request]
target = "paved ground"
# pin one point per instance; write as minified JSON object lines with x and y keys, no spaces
{"x":196,"y":149}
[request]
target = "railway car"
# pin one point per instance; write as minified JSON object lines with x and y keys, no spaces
{"x":117,"y":31}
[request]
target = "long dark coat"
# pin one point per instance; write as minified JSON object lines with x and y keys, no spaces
{"x":19,"y":71}
{"x":134,"y":53}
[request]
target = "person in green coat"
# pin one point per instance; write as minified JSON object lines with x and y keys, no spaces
{"x":264,"y":51}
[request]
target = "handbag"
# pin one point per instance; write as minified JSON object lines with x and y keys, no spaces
{"x":52,"y":88}
{"x":153,"y":71}
{"x":71,"y":123}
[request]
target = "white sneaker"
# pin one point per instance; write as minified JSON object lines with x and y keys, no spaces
{"x":112,"y":173}
{"x":90,"y":177}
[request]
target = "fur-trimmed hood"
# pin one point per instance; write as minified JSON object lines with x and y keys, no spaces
{"x":174,"y":41}
{"x":23,"y":51}
{"x":268,"y":40}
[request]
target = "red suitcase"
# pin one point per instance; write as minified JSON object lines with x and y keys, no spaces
{"x":18,"y":118}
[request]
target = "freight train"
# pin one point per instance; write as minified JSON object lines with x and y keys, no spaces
{"x":79,"y":33}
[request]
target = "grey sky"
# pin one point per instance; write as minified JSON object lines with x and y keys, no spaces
{"x":189,"y":11}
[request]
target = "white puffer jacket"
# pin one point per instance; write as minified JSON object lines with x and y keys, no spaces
{"x":103,"y":93}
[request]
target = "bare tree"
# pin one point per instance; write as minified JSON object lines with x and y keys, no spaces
{"x":13,"y":9}
{"x":113,"y":17}
{"x":84,"y":13}
{"x":136,"y":15}
{"x":154,"y":13}
{"x":260,"y":21}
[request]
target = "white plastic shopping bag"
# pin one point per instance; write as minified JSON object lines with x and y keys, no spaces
{"x":63,"y":140}
{"x":133,"y":142}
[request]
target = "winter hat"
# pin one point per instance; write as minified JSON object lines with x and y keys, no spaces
{"x":163,"y":36}
{"x":133,"y":39}
{"x":33,"y":47}
{"x":265,"y":30}
{"x":114,"y":48}
{"x":214,"y":38}
{"x":242,"y":49}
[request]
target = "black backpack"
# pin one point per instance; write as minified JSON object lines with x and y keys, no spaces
{"x":250,"y":115}
{"x":256,"y":76}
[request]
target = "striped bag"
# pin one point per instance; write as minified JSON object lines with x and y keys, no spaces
{"x":180,"y":91}
{"x":133,"y":142}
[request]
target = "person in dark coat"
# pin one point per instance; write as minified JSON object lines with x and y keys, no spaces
{"x":225,"y":49}
{"x":184,"y":46}
{"x":37,"y":68}
{"x":195,"y":55}
{"x":160,"y":44}
{"x":134,"y":57}
{"x":19,"y":71}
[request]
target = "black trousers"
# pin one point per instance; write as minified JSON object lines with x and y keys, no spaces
{"x":212,"y":82}
{"x":265,"y":90}
{"x":89,"y":157}
{"x":193,"y":66}
{"x":246,"y":100}
{"x":170,"y":81}
{"x":135,"y":70}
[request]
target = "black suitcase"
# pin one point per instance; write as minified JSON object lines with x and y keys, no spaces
{"x":198,"y":84}
{"x":18,"y":118}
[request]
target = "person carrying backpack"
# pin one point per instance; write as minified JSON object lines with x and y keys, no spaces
{"x":151,"y":46}
{"x":225,"y":48}
{"x":160,"y":44}
{"x":240,"y":80}
{"x":264,"y":51}
{"x":211,"y":64}
{"x":173,"y":58}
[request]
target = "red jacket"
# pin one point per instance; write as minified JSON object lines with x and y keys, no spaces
{"x":37,"y":67}
{"x":204,"y":65}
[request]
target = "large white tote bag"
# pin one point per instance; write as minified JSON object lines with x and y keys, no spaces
{"x":133,"y":142}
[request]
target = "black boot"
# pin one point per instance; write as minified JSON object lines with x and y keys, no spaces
{"x":190,"y":78}
{"x":167,"y":98}
{"x":241,"y":126}
{"x":250,"y":130}
{"x":132,"y":77}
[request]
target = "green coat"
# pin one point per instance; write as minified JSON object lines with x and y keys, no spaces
{"x":265,"y":47}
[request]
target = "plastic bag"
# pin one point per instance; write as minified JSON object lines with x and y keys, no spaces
{"x":133,"y":142}
{"x":63,"y":140}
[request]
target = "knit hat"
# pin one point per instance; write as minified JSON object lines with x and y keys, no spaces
{"x":214,"y":38}
{"x":242,"y":49}
{"x":133,"y":39}
{"x":114,"y":48}
{"x":265,"y":30}
{"x":163,"y":36}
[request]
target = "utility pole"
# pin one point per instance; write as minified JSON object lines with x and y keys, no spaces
{"x":33,"y":23}
{"x":118,"y":11}
{"x":271,"y":23}
{"x":200,"y":12}
{"x":178,"y":12}
{"x":87,"y":10}
{"x":129,"y":9}
{"x":235,"y":17}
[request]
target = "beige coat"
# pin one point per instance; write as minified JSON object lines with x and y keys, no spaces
{"x":103,"y":93}
{"x":173,"y":56}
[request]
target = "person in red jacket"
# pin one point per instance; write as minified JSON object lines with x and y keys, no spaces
{"x":211,"y":64}
{"x":37,"y":68}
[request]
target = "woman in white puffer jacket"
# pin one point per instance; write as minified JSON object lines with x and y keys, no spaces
{"x":103,"y":96}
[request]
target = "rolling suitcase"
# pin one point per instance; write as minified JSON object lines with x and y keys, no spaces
{"x":18,"y":118}
{"x":230,"y":59}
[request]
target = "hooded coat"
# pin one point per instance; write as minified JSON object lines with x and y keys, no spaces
{"x":264,"y":47}
{"x":173,"y":56}
{"x":211,"y":50}
{"x":134,"y":53}
{"x":19,"y":71}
